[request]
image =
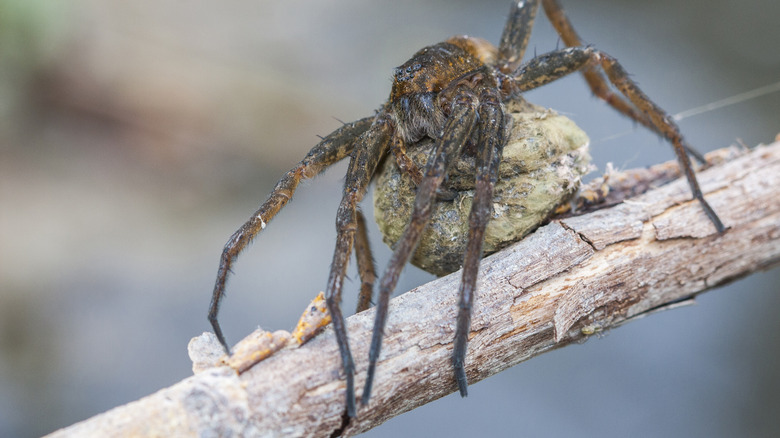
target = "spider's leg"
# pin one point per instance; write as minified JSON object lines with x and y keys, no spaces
{"x":456,"y":132}
{"x":593,"y":77}
{"x":517,"y":30}
{"x":596,"y":81}
{"x":365,"y":264}
{"x":663,"y":123}
{"x":554,"y":65}
{"x":367,"y":153}
{"x":331,"y":149}
{"x":490,"y":146}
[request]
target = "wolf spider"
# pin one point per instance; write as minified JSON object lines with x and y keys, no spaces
{"x":454,"y":93}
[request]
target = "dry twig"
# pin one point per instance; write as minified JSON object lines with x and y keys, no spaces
{"x":568,"y":280}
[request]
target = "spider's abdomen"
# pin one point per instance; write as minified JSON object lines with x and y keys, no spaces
{"x":417,"y":83}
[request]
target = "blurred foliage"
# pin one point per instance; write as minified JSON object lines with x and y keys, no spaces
{"x":31,"y":36}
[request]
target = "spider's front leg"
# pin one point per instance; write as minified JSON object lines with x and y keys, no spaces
{"x":552,"y":66}
{"x":490,"y":143}
{"x":368,"y":151}
{"x":333,"y":148}
{"x":457,"y":131}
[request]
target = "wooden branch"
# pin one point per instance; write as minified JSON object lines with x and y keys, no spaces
{"x":568,"y":280}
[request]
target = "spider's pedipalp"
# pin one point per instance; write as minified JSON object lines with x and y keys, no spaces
{"x":333,"y":148}
{"x":368,"y":150}
{"x":456,"y":133}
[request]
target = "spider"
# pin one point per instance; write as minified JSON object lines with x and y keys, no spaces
{"x":455,"y":93}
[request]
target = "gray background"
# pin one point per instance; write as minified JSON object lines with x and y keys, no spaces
{"x":135,"y":137}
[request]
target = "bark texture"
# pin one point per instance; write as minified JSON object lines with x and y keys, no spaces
{"x":568,"y":280}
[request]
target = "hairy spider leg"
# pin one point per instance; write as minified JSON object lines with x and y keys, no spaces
{"x":596,"y":81}
{"x":365,"y":264}
{"x":456,"y":132}
{"x":552,"y":66}
{"x":511,"y":48}
{"x":664,"y":124}
{"x":514,"y":38}
{"x":366,"y":155}
{"x":491,"y":144}
{"x":333,"y":148}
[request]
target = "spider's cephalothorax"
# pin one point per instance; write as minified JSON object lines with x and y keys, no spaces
{"x":424,"y":86}
{"x":455,"y":94}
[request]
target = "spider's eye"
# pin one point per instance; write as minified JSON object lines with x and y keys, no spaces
{"x":406,"y":73}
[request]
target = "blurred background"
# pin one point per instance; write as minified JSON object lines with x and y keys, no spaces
{"x":135,"y":137}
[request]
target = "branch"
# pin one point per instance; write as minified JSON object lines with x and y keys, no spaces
{"x":568,"y":280}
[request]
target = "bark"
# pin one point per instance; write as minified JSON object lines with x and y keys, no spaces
{"x":570,"y":279}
